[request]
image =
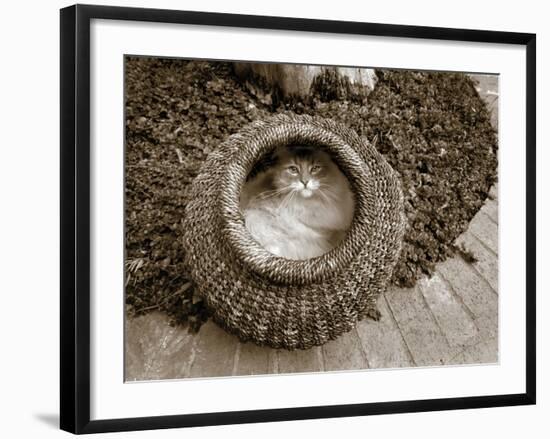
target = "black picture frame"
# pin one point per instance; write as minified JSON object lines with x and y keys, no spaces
{"x":75,"y":217}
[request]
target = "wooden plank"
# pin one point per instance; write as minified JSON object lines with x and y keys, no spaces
{"x":483,"y":352}
{"x":485,"y":230}
{"x":133,"y":352}
{"x":150,"y":330}
{"x":344,"y":353}
{"x":452,"y":316}
{"x":423,"y":337}
{"x":214,"y":352}
{"x":490,"y":208}
{"x":175,"y":354}
{"x":155,"y":350}
{"x":309,"y":360}
{"x":382,"y":341}
{"x":252,"y":359}
{"x":488,"y":91}
{"x":487,"y":261}
{"x":273,"y":361}
{"x":475,"y":293}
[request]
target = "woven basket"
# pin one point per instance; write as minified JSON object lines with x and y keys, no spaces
{"x":280,"y":302}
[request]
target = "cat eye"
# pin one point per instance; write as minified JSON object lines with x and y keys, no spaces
{"x":315,"y":169}
{"x":293,"y":169}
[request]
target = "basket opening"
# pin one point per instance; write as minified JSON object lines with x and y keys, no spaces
{"x":297,"y":202}
{"x":255,"y":257}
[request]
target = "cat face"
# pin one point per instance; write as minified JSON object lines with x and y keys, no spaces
{"x":302,"y":169}
{"x":300,"y":206}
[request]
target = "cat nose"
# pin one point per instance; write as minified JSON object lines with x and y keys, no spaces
{"x":304,"y":182}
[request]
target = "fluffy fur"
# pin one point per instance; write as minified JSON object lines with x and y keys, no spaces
{"x":301,"y":206}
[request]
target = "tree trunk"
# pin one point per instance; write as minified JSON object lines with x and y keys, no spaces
{"x":270,"y":81}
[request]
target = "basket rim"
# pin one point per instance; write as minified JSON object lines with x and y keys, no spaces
{"x":253,"y":255}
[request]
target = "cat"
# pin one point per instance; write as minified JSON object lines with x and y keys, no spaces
{"x":301,"y":206}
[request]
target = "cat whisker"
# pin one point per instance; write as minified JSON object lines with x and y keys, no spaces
{"x":328,"y":192}
{"x":270,"y":194}
{"x":327,"y":186}
{"x":324,"y":195}
{"x":286,"y":201}
{"x":282,"y":189}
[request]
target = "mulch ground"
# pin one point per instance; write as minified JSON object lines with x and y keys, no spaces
{"x":433,"y":128}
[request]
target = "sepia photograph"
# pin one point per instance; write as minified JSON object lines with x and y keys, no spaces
{"x":293,"y":218}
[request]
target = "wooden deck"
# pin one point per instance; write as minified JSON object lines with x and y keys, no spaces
{"x":448,"y":319}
